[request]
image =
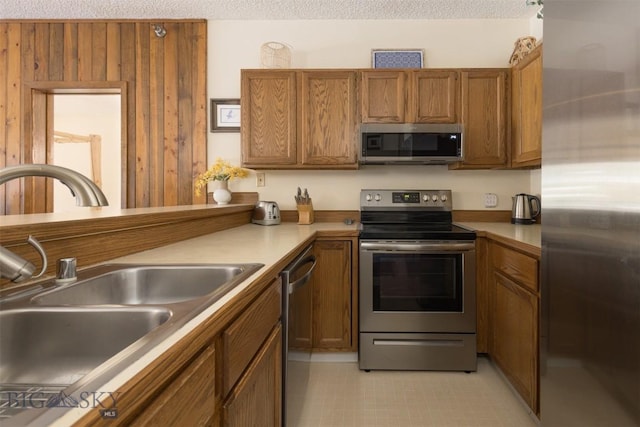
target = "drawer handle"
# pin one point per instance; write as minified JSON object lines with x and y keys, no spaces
{"x":420,"y":343}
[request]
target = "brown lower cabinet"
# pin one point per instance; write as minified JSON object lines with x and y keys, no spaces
{"x":515,"y":336}
{"x":188,"y":400}
{"x":512,"y":330}
{"x":326,"y":320}
{"x":333,"y":314}
{"x":252,"y":364}
{"x":257,"y":398}
{"x":234,"y":380}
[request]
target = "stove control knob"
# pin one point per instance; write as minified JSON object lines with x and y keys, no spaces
{"x":443,"y":197}
{"x":425,"y":198}
{"x":434,"y":198}
{"x":368,"y":197}
{"x":378,"y":197}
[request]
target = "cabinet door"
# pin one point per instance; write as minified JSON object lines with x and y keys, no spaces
{"x":526,"y":113}
{"x":484,"y":116}
{"x":433,"y":97}
{"x":383,"y":96}
{"x":268,"y":123}
{"x":332,"y":291}
{"x":328,"y":118}
{"x":242,"y":339}
{"x":257,"y":398}
{"x":188,"y":400}
{"x":514,"y":341}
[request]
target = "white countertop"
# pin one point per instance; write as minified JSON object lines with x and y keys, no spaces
{"x":529,"y":234}
{"x":249,"y":243}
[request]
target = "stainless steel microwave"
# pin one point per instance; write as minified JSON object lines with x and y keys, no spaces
{"x":410,"y":143}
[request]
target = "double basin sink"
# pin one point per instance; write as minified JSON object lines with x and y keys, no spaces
{"x":71,"y":337}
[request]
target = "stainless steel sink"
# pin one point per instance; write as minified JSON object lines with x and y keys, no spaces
{"x":72,"y":338}
{"x":53,"y":346}
{"x":157,"y":284}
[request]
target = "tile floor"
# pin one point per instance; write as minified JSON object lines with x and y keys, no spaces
{"x":340,"y":395}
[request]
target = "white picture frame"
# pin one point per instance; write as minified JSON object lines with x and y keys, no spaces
{"x":225,"y":115}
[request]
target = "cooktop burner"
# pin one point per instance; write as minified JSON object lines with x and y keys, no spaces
{"x":409,"y":215}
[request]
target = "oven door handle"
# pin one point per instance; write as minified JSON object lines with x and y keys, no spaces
{"x":422,"y":246}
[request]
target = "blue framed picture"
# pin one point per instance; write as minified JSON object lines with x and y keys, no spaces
{"x":397,"y":58}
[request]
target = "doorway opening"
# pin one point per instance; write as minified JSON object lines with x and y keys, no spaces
{"x":81,"y":126}
{"x":87,"y":139}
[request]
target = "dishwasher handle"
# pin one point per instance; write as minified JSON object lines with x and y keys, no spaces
{"x":300,"y":282}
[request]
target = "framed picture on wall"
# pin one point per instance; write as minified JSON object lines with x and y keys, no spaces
{"x":225,"y":115}
{"x":397,"y":58}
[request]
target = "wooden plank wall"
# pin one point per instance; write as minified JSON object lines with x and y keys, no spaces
{"x":165,"y":127}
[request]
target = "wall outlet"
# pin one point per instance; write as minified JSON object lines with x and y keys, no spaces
{"x":260,"y":179}
{"x":490,"y":200}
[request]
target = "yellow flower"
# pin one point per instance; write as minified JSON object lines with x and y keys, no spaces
{"x":219,"y":171}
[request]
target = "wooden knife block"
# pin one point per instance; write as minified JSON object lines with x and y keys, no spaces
{"x":305,"y":214}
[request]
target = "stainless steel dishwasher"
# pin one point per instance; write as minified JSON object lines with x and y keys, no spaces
{"x":296,"y":345}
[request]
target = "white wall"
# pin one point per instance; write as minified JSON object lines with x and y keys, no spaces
{"x":234,"y":45}
{"x":536,"y":27}
{"x":84,"y":115}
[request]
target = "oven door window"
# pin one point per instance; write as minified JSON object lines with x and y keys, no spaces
{"x":417,"y":282}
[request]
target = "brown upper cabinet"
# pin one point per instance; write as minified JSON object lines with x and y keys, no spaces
{"x":299,"y":119}
{"x":409,"y":96}
{"x":526,"y":111}
{"x":484,"y":110}
{"x":308,"y":119}
{"x":328,"y":123}
{"x":269,"y":122}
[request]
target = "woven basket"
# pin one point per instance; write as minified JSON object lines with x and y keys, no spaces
{"x":275,"y":55}
{"x":522,"y":47}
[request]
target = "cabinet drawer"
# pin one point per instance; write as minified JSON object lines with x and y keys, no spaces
{"x":257,"y":398}
{"x":519,"y":267}
{"x":188,"y":400}
{"x":241,"y":341}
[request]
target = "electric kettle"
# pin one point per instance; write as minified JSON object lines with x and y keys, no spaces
{"x":266,"y":213}
{"x":525,"y":209}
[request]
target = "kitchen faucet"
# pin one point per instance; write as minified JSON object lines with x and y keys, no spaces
{"x":16,"y":268}
{"x":86,"y":192}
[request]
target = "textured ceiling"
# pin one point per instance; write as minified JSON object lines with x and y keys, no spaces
{"x":266,"y":9}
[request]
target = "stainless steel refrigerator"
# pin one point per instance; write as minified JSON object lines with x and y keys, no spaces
{"x":590,"y":329}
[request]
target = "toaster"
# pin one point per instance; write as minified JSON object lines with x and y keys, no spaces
{"x":266,"y":213}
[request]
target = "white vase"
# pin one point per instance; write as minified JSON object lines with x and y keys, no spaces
{"x":221,"y":194}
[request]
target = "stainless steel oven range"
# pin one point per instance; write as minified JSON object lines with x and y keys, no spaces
{"x":417,"y":283}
